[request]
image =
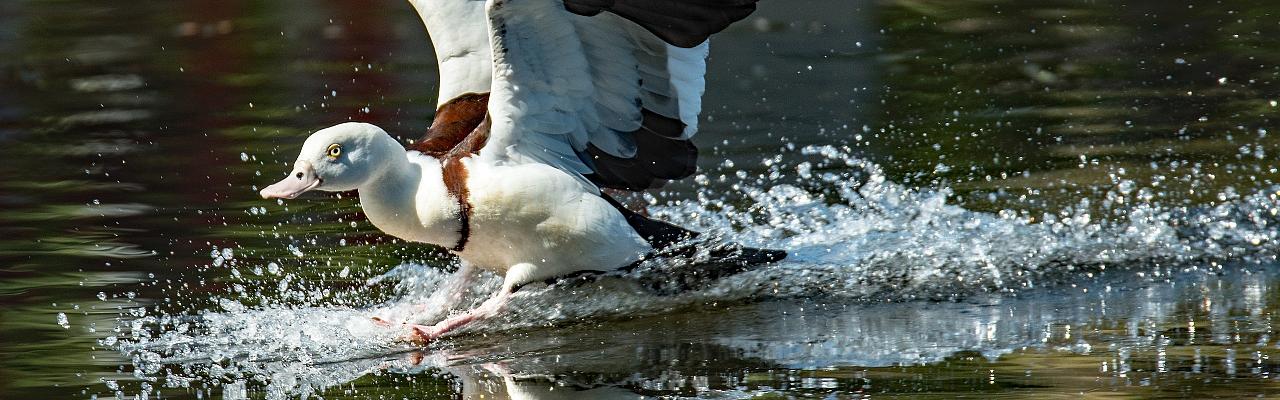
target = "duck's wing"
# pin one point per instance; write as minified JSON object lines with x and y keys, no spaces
{"x":459,"y":31}
{"x":599,"y":96}
{"x":459,"y":34}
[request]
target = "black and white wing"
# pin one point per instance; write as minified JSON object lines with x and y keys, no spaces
{"x":600,"y":96}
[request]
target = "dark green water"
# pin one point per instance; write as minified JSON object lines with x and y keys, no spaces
{"x":133,"y":135}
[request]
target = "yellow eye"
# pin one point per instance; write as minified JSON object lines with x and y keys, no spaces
{"x":334,"y":151}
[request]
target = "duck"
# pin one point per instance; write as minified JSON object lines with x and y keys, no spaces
{"x":546,"y":107}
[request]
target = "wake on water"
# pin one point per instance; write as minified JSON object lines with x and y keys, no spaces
{"x":865,"y":239}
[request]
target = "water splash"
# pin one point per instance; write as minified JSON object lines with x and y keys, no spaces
{"x":852,"y":234}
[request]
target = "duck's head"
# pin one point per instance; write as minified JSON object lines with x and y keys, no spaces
{"x":338,"y":158}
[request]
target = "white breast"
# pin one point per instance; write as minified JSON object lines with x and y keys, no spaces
{"x":537,"y":214}
{"x":410,"y":202}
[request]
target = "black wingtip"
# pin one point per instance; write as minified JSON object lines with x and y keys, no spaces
{"x":659,"y":234}
{"x":748,"y":256}
{"x":695,"y":264}
{"x":735,"y":257}
{"x":661,"y":156}
{"x":682,"y":23}
{"x":700,"y":260}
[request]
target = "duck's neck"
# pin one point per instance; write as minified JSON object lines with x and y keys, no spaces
{"x":409,"y":201}
{"x":460,"y":35}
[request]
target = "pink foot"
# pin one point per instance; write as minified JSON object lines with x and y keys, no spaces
{"x":419,"y":334}
{"x":422,"y":334}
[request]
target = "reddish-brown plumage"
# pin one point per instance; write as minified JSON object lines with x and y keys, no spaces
{"x":473,"y":142}
{"x":455,"y":181}
{"x":454,"y":123}
{"x":460,"y":129}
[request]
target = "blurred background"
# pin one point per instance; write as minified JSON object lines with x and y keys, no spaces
{"x":135,"y":134}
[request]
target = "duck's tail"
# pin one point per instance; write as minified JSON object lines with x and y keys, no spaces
{"x":708,"y":259}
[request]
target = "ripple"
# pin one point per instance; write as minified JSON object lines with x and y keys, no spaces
{"x":101,"y":117}
{"x":106,"y":83}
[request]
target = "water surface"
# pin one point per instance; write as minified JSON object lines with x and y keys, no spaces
{"x":982,"y":198}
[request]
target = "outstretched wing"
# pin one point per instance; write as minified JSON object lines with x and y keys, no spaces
{"x":460,"y":37}
{"x":599,"y":96}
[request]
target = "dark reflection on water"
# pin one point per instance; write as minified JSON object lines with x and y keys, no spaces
{"x":133,"y":132}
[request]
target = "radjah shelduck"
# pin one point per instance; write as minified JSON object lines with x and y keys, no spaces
{"x":543,"y":103}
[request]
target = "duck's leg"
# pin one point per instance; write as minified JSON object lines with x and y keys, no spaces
{"x":423,"y":334}
{"x":516,"y":276}
{"x":451,"y":292}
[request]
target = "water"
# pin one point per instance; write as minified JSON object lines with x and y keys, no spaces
{"x":982,"y":198}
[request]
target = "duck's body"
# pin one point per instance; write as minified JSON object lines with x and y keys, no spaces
{"x":532,"y":215}
{"x":542,"y":104}
{"x":538,"y":215}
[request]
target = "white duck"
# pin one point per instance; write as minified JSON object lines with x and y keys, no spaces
{"x":544,"y":102}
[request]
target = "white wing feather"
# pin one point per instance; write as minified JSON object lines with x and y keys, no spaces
{"x":460,"y":37}
{"x":562,"y":81}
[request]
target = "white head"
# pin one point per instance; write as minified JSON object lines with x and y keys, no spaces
{"x":338,"y":158}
